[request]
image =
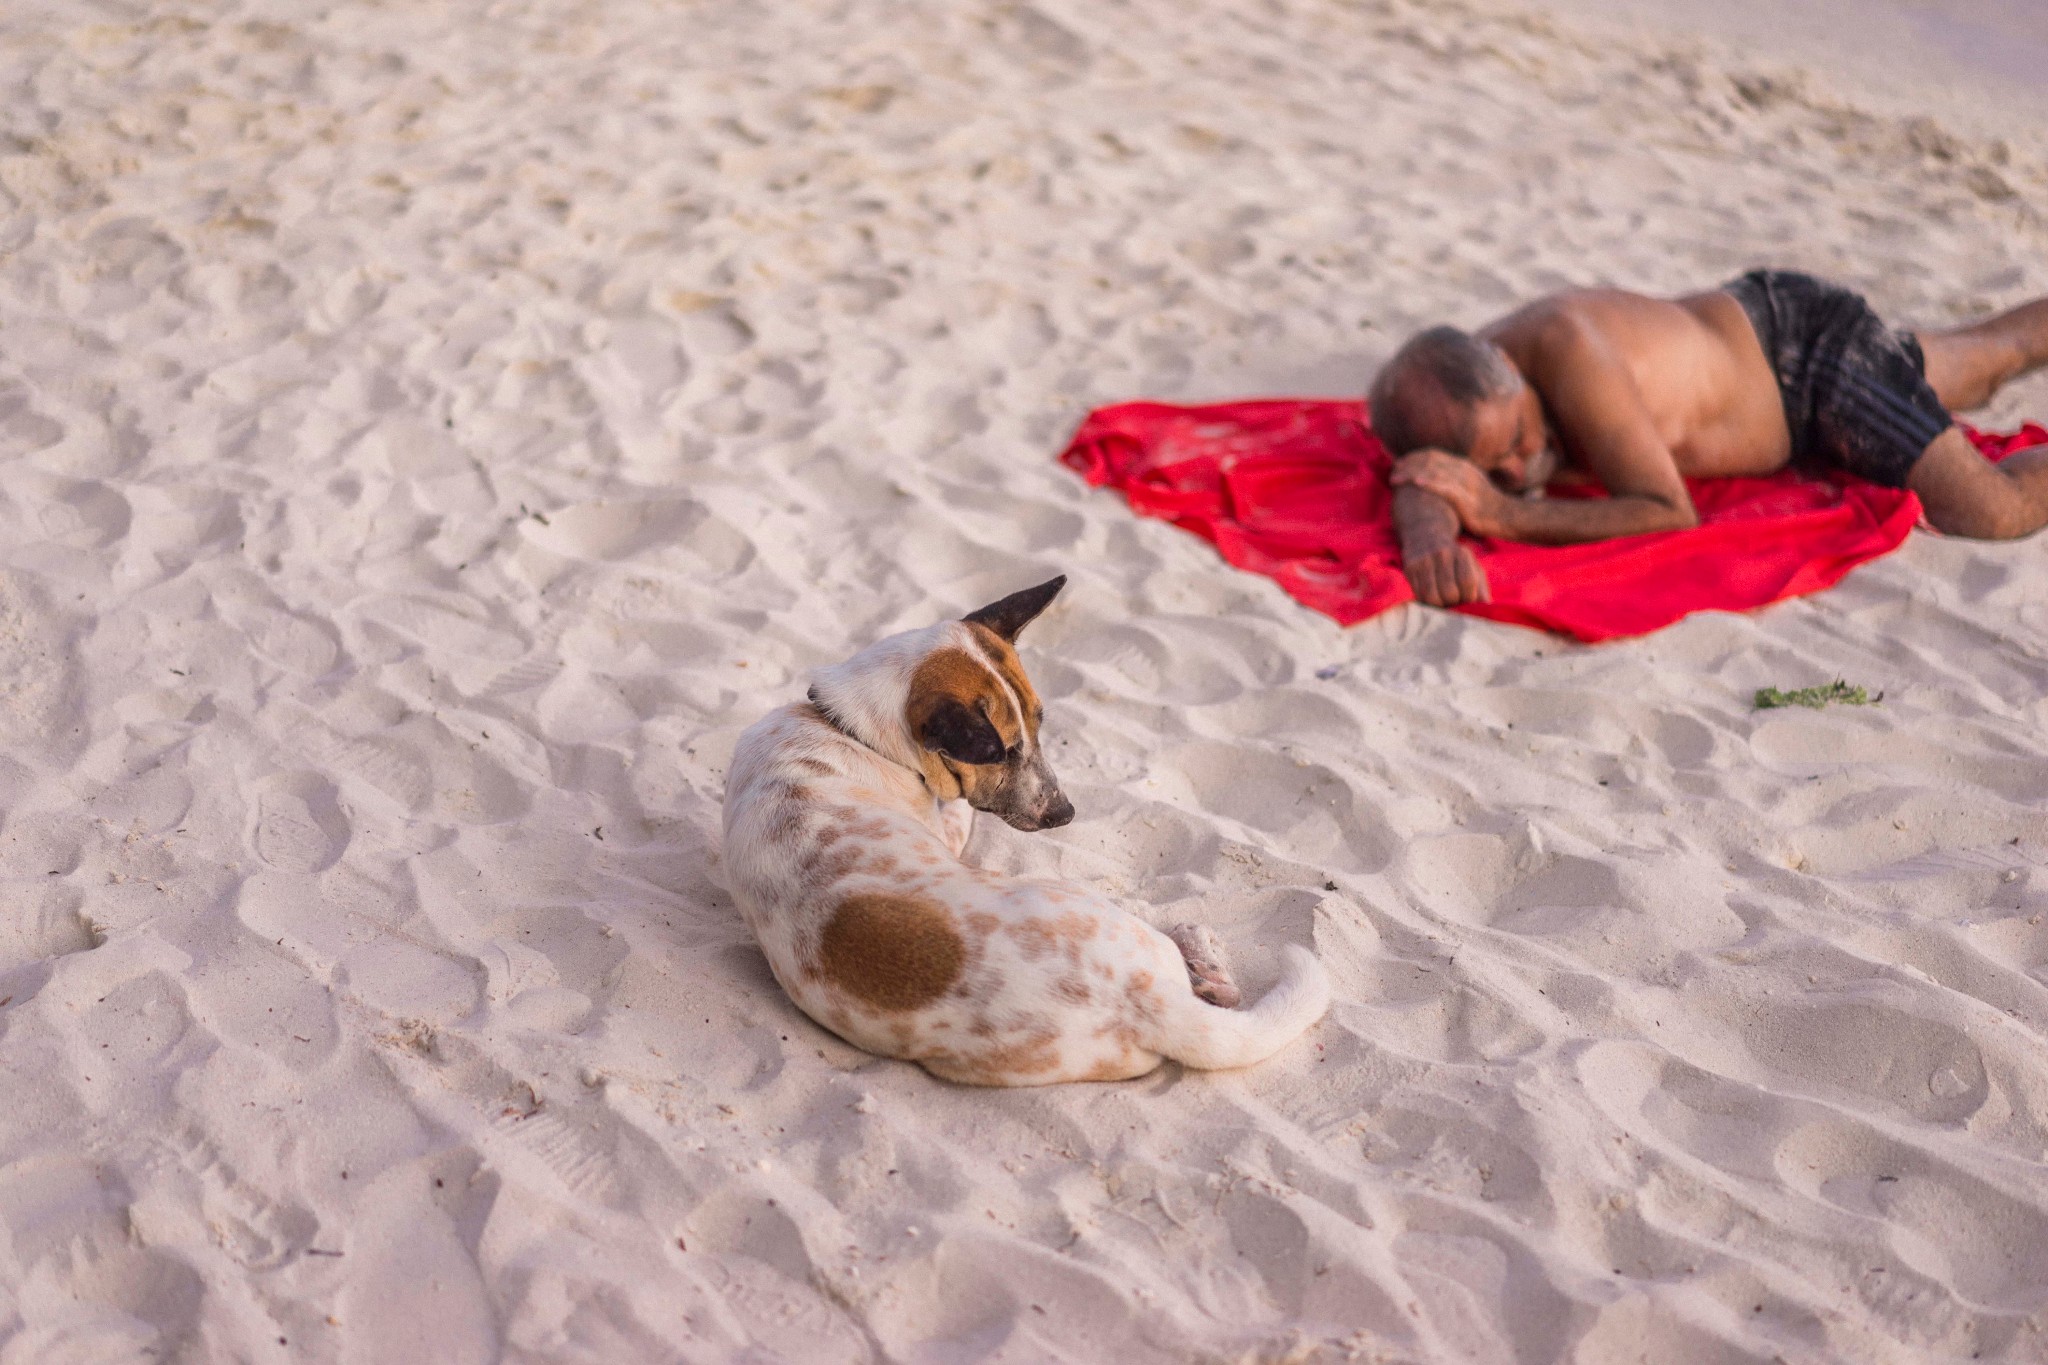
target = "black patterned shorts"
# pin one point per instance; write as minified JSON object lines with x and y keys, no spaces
{"x":1855,"y":392}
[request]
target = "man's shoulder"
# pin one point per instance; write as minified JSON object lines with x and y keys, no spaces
{"x":1555,"y":324}
{"x":1566,"y":323}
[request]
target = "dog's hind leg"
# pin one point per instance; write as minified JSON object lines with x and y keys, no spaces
{"x":1207,"y":971}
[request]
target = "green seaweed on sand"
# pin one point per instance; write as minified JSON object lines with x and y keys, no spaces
{"x":1849,"y":694}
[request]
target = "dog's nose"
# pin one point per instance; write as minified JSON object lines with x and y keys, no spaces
{"x":1059,"y":813}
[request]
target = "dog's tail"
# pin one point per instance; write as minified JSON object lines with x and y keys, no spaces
{"x":1196,"y":1033}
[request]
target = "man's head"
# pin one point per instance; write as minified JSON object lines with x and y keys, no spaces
{"x":1449,"y":390}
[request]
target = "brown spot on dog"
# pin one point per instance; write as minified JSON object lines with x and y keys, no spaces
{"x":893,"y":953}
{"x":821,"y":864}
{"x":1074,"y":927}
{"x":1038,"y":936}
{"x":1034,"y":939}
{"x":1033,"y":1054}
{"x":1124,"y":1034}
{"x":1073,"y":989}
{"x":1037,"y":1051}
{"x":1135,"y":1061}
{"x":1141,"y":1001}
{"x":811,"y":766}
{"x":785,"y":821}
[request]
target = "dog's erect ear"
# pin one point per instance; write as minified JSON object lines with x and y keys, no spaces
{"x":961,"y":733}
{"x":1016,"y":611}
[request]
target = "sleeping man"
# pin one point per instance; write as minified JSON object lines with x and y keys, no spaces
{"x":1638,"y":394}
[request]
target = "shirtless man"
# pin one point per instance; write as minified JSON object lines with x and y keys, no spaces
{"x":1640,"y":394}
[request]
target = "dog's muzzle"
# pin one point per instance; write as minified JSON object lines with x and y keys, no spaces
{"x":1035,"y":800}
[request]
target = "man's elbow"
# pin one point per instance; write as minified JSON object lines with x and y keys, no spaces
{"x":1679,"y":516}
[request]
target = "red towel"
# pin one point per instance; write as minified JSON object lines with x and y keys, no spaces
{"x":1297,"y":490}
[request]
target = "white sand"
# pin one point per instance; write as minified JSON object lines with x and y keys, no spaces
{"x":431,"y":433}
{"x":1981,"y":64}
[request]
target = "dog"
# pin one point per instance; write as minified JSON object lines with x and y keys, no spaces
{"x":845,"y":818}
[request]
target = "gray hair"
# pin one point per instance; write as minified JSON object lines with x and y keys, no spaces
{"x":1424,"y":396}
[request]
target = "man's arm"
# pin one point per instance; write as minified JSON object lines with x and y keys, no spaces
{"x":1593,"y":401}
{"x":1442,"y":571}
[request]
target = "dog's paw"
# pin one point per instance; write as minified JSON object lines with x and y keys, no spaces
{"x":1207,"y":972}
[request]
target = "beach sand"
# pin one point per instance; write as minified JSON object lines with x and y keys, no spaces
{"x":429,"y":434}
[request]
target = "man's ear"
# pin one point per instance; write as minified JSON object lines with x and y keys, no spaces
{"x":960,"y":732}
{"x":1013,"y":613}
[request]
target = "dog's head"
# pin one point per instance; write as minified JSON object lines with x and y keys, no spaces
{"x":975,"y":717}
{"x":964,"y":713}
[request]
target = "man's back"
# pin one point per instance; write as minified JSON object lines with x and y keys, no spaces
{"x":1694,"y":363}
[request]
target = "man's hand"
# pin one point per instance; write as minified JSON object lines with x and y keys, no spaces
{"x":1442,"y":571}
{"x":1481,"y":507}
{"x":1446,"y":575}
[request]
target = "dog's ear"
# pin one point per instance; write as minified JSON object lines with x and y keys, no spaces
{"x":960,"y":732}
{"x":1013,"y":613}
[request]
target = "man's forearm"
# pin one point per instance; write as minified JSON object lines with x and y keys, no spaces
{"x":1423,"y":521}
{"x":1573,"y":521}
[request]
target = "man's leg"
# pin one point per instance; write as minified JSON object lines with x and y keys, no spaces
{"x":1967,"y":366}
{"x":1965,"y":494}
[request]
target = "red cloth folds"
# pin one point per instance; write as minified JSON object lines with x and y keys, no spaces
{"x":1297,"y":490}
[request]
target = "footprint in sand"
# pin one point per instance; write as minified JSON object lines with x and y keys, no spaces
{"x":38,"y":673}
{"x":449,"y":625}
{"x":1040,"y":40}
{"x":299,"y":823}
{"x":83,"y":514}
{"x":1899,"y":1062}
{"x":659,"y":529}
{"x":413,"y":1289}
{"x":709,"y":326}
{"x":1962,"y":1230}
{"x":406,"y":980}
{"x":22,"y":428}
{"x":255,"y":1229}
{"x":1313,"y":806}
{"x":615,"y":528}
{"x":51,"y":924}
{"x":985,"y":1289}
{"x":1483,"y":1295}
{"x":83,"y":1287}
{"x":130,"y":264}
{"x":648,"y":355}
{"x":295,"y":643}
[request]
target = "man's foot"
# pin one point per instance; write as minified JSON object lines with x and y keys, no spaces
{"x":1206,"y":970}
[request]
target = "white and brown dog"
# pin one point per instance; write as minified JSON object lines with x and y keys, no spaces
{"x":844,"y":821}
